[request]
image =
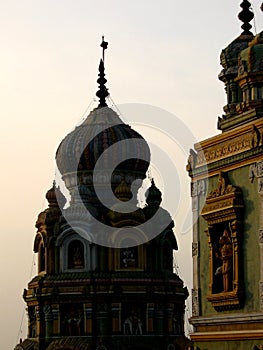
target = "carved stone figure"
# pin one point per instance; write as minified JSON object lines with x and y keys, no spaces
{"x":226,"y":251}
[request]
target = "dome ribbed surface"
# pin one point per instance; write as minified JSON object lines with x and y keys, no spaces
{"x":81,"y":148}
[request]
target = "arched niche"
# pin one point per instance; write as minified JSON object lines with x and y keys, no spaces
{"x":76,"y":253}
{"x":223,"y":211}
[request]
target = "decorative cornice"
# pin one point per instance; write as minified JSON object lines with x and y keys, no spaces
{"x":230,"y":335}
{"x":228,"y":148}
{"x":228,"y":319}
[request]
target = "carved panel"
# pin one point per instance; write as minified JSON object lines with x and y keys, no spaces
{"x":195,"y":249}
{"x":223,"y":212}
{"x":260,"y":168}
{"x":195,"y":302}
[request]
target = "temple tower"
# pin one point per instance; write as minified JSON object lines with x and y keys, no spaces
{"x":105,"y":266}
{"x":227,"y":199}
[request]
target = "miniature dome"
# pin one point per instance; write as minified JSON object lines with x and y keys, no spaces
{"x":153,"y":195}
{"x":81,"y":148}
{"x":229,"y":56}
{"x":55,"y":197}
{"x":251,"y":58}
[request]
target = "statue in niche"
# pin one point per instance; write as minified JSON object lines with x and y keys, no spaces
{"x":78,"y":259}
{"x":76,"y":255}
{"x":132,"y":324}
{"x":225,"y":254}
{"x":74,"y":321}
{"x":128,"y":257}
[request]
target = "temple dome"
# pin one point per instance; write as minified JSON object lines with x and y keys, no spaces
{"x":229,"y":56}
{"x":80,"y":149}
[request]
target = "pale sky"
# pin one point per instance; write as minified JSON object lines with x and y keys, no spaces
{"x":161,"y":53}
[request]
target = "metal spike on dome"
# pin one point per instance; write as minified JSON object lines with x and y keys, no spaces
{"x":102,"y":93}
{"x":245,"y":16}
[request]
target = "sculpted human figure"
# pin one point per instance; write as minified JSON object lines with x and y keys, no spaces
{"x":226,"y":251}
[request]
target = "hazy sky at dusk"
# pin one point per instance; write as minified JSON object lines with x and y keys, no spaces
{"x":161,"y":53}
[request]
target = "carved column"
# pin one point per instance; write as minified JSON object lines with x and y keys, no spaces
{"x":168,"y":317}
{"x":259,"y":173}
{"x":211,"y":260}
{"x":56,"y":319}
{"x":116,"y":318}
{"x":40,"y":322}
{"x":236,"y":254}
{"x":195,"y":250}
{"x":102,"y":318}
{"x":159,"y":319}
{"x":149,"y":318}
{"x":88,"y":318}
{"x":48,"y":321}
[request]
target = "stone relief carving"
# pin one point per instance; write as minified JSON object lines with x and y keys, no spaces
{"x":255,"y":137}
{"x":226,"y":149}
{"x":240,"y":143}
{"x":223,"y":186}
{"x":195,"y":302}
{"x":195,"y":249}
{"x":260,"y":235}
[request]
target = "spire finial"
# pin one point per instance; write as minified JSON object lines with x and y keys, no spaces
{"x":104,"y":45}
{"x":246,"y":16}
{"x":102,"y":93}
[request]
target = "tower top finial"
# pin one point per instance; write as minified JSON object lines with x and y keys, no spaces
{"x":246,"y":16}
{"x":104,"y":45}
{"x":102,"y":93}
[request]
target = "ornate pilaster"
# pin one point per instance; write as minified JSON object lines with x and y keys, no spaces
{"x":116,"y":318}
{"x":40,"y":322}
{"x":149,"y":318}
{"x":195,"y":302}
{"x":259,"y":174}
{"x":159,"y":317}
{"x":195,"y":189}
{"x":88,"y":318}
{"x":48,"y":321}
{"x":56,"y":319}
{"x":168,"y":316}
{"x":102,"y":316}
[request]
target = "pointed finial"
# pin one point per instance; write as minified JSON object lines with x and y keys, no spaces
{"x":102,"y":93}
{"x":246,"y":16}
{"x":104,"y":46}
